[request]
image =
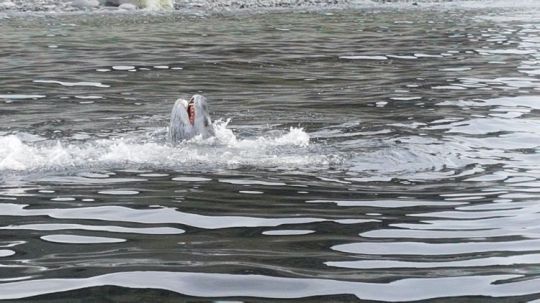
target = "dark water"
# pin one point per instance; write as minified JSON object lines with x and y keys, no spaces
{"x":372,"y":154}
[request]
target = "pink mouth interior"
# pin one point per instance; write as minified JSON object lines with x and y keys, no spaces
{"x":191,"y":112}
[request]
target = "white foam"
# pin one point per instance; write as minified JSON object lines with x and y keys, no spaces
{"x":289,"y":150}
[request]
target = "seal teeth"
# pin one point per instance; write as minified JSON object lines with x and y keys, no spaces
{"x":191,"y":113}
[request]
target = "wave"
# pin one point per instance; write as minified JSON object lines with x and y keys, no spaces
{"x":234,"y":285}
{"x":413,"y":158}
{"x":289,"y":149}
{"x":328,"y":152}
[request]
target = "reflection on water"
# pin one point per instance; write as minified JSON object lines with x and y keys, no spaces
{"x":369,"y":154}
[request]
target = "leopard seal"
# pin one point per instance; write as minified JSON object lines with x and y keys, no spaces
{"x":190,"y":119}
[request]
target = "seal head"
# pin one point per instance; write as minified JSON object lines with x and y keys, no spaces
{"x":190,"y":119}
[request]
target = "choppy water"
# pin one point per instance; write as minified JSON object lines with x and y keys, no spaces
{"x":379,"y":153}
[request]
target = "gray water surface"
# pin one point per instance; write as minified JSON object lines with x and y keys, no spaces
{"x":383,"y":154}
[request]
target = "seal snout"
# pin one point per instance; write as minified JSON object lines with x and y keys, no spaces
{"x":189,"y":119}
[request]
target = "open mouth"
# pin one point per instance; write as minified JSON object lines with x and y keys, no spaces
{"x":191,"y":111}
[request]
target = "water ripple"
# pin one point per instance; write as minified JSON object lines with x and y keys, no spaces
{"x":439,"y":249}
{"x":153,"y":216}
{"x":228,"y":285}
{"x":388,"y":153}
{"x":75,"y":239}
{"x":105,"y":228}
{"x":64,"y":83}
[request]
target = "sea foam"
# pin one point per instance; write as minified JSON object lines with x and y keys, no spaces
{"x":290,"y":149}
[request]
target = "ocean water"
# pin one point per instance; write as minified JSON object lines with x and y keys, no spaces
{"x":378,"y":152}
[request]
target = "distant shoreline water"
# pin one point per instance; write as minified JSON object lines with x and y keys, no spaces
{"x":66,"y":6}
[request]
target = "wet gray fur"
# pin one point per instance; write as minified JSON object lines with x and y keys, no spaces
{"x":181,"y":129}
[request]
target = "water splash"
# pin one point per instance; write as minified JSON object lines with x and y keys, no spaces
{"x":290,"y":149}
